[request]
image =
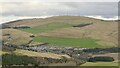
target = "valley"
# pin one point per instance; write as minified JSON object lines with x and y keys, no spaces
{"x":59,"y":40}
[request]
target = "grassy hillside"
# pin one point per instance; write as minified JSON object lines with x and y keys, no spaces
{"x":106,"y":33}
{"x":17,"y":37}
{"x":47,"y":27}
{"x":59,"y":30}
{"x":71,"y":42}
{"x":64,"y":19}
{"x":21,"y":52}
{"x":38,"y":54}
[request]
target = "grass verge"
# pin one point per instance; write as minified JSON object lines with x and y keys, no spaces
{"x":100,"y":64}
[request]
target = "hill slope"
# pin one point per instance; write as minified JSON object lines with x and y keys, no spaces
{"x":105,"y":32}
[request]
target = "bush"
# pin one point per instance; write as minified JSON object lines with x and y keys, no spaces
{"x":101,"y":58}
{"x":12,"y":59}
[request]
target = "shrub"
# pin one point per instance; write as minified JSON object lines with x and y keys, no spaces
{"x":12,"y":59}
{"x":101,"y":58}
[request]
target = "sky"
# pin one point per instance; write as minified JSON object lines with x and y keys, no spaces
{"x":23,"y":10}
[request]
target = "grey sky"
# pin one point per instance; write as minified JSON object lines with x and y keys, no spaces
{"x":17,"y":10}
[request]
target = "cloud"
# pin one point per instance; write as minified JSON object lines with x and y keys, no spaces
{"x":12,"y":18}
{"x":103,"y":18}
{"x":59,"y":0}
{"x":38,"y":9}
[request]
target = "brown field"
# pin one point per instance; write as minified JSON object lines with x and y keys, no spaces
{"x":38,"y":54}
{"x":17,"y":37}
{"x":65,"y":19}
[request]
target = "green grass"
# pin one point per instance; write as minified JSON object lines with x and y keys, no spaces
{"x":46,"y":27}
{"x":72,"y":42}
{"x":16,"y":59}
{"x":100,"y":64}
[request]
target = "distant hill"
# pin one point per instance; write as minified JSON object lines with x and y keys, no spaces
{"x":41,"y":21}
{"x":105,"y":32}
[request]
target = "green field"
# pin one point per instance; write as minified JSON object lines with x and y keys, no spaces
{"x":100,"y":64}
{"x":73,"y":42}
{"x":46,"y":27}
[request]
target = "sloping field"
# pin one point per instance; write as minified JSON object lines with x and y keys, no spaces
{"x":38,"y":54}
{"x":17,"y":37}
{"x":47,"y":27}
{"x":55,"y":28}
{"x":35,"y":54}
{"x":2,"y":52}
{"x":59,"y":19}
{"x":106,"y":33}
{"x":53,"y":23}
{"x":70,"y":42}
